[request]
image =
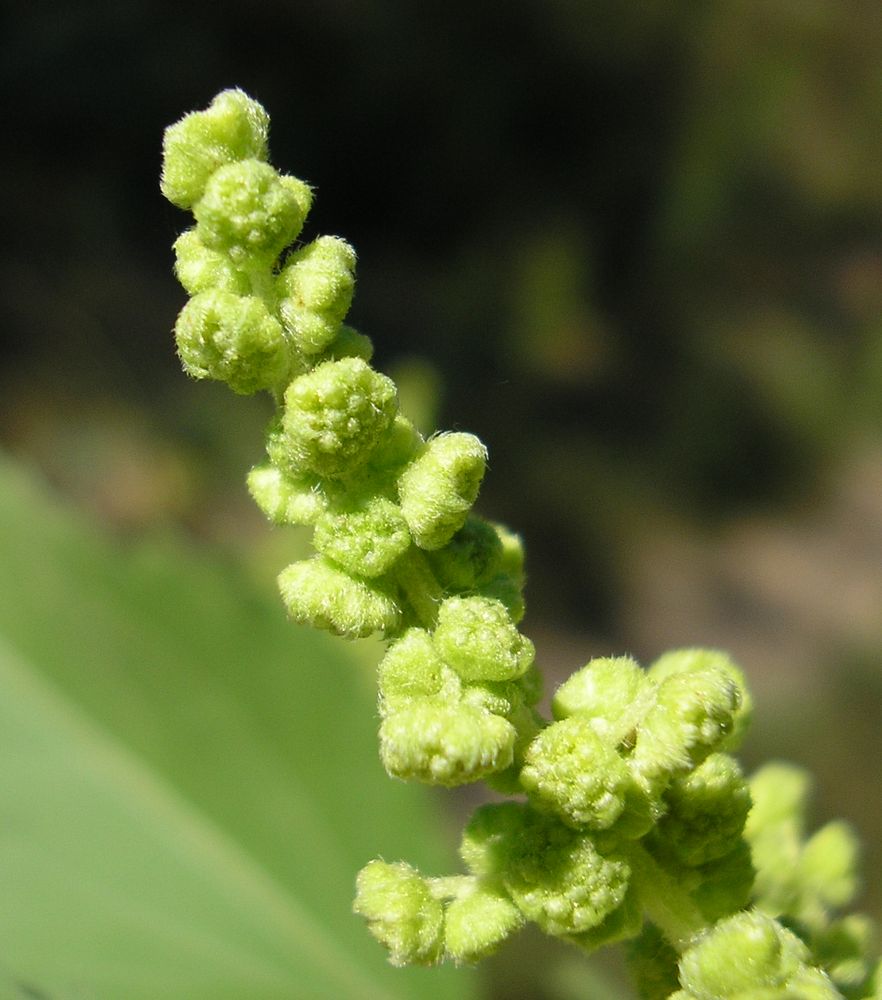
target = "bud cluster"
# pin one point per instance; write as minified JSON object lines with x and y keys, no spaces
{"x":635,"y":822}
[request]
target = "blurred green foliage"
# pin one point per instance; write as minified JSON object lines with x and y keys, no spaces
{"x":189,"y":784}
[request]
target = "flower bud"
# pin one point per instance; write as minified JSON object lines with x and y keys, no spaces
{"x":318,"y":594}
{"x":612,"y":691}
{"x":285,"y":500}
{"x":199,"y":269}
{"x":510,"y":594}
{"x":412,"y":669}
{"x":250,"y":212}
{"x":401,"y":912}
{"x":347,"y":343}
{"x":234,"y":127}
{"x":478,"y":922}
{"x":477,"y":638}
{"x":679,"y":661}
{"x":233,"y":339}
{"x":472,"y":557}
{"x":433,"y":741}
{"x":335,"y":416}
{"x":315,"y":291}
{"x":486,"y":841}
{"x":366,"y":541}
{"x":555,"y":876}
{"x":570,"y":771}
{"x":706,"y":812}
{"x":829,"y":864}
{"x":439,"y":487}
{"x":694,"y":713}
{"x":747,"y":951}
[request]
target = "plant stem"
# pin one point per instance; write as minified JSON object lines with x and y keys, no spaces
{"x":419,"y":586}
{"x":666,"y":902}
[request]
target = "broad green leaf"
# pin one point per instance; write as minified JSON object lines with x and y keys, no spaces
{"x":188,"y":784}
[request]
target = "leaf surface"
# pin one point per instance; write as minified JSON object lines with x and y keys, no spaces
{"x":188,"y":783}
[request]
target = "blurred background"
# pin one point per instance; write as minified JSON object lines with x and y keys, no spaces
{"x":635,"y":247}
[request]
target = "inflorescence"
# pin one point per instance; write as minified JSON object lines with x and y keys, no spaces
{"x":633,"y":821}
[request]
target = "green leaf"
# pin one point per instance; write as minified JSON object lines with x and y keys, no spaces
{"x":188,"y":783}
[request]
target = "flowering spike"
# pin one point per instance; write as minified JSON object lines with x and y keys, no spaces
{"x":634,"y":811}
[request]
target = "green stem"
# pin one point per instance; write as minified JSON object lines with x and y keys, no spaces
{"x":420,"y":587}
{"x":666,"y":902}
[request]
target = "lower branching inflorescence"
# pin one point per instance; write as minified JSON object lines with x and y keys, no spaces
{"x":633,"y":822}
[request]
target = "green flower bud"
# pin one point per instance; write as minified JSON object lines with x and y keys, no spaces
{"x":199,"y":269}
{"x":366,"y":541}
{"x":486,"y":841}
{"x":478,"y":922}
{"x":335,"y":416}
{"x":318,"y":594}
{"x":442,"y":744}
{"x":693,"y":715}
{"x":568,"y":889}
{"x":315,"y":291}
{"x":745,"y":952}
{"x":412,"y":669}
{"x":250,"y":212}
{"x":401,"y":913}
{"x":397,"y":446}
{"x":555,"y":876}
{"x":706,"y":812}
{"x":439,"y":487}
{"x":780,"y":794}
{"x":774,"y":829}
{"x":687,"y":660}
{"x":830,"y":863}
{"x":570,"y":771}
{"x":285,"y":500}
{"x":612,"y":691}
{"x":233,"y":339}
{"x":472,"y":557}
{"x":476,"y":637}
{"x":234,"y":127}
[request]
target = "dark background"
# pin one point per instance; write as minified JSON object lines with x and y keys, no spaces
{"x":636,"y":247}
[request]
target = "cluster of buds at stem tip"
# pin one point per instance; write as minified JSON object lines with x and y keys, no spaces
{"x":633,"y":819}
